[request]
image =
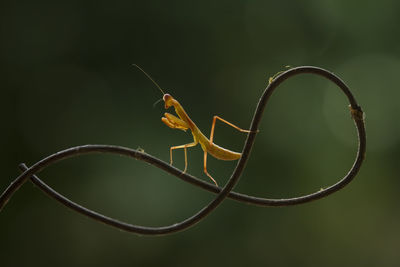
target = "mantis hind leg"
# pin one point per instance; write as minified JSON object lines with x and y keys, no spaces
{"x":227,"y":122}
{"x":184,"y":147}
{"x":205,"y":168}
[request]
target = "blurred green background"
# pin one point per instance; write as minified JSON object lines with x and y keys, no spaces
{"x":67,"y":79}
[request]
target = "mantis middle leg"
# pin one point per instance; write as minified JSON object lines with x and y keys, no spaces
{"x":184,"y":147}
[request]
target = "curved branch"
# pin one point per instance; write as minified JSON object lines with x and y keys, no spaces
{"x":222,"y":193}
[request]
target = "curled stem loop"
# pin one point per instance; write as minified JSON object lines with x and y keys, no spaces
{"x":221,"y":193}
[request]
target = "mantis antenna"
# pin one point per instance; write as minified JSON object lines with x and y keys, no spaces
{"x":148,"y":76}
{"x":158,"y":101}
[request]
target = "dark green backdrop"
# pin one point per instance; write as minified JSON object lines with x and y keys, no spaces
{"x":67,"y":79}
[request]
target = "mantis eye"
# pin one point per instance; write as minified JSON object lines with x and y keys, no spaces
{"x":166,"y":97}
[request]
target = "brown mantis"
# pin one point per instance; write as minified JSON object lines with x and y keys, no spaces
{"x":184,"y":122}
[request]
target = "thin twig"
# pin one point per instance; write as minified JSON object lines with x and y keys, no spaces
{"x":222,"y":193}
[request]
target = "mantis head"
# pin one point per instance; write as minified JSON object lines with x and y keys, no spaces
{"x":168,"y":100}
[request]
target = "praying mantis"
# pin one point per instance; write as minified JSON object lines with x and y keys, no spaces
{"x":183,"y":122}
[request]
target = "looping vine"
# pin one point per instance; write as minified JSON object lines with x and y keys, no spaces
{"x":221,"y":193}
